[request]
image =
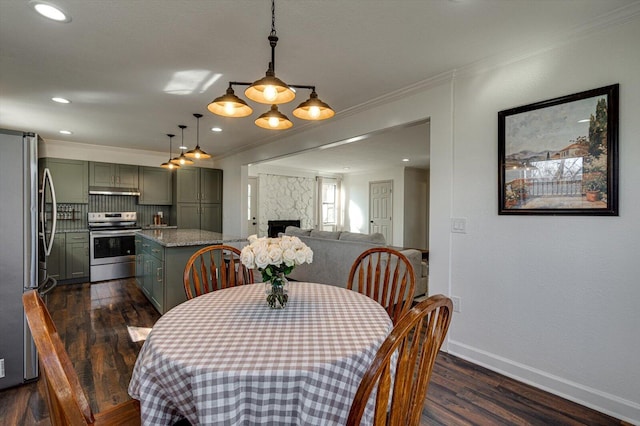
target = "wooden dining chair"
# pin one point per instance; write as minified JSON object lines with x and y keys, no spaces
{"x":402,"y":381}
{"x":386,"y":276}
{"x":214,"y":268}
{"x":67,"y":402}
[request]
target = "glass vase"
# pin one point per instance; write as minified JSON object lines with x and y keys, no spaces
{"x":277,"y":291}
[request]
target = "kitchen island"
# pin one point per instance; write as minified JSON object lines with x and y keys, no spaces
{"x":161,"y":255}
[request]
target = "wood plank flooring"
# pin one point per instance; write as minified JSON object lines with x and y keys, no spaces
{"x":92,"y":321}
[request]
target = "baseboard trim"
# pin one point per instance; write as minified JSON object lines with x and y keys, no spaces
{"x":612,"y":405}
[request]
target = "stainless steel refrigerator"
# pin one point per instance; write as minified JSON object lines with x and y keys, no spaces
{"x":27,"y":226}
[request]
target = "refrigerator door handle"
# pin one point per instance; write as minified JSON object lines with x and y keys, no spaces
{"x":54,"y":214}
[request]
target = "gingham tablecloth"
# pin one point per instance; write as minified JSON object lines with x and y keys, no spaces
{"x":225,"y":358}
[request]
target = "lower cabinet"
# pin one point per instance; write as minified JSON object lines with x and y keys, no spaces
{"x":56,"y":267}
{"x":151,"y":279}
{"x":205,"y":216}
{"x":77,"y":255}
{"x":159,"y":272}
{"x":69,"y":258}
{"x":139,"y":261}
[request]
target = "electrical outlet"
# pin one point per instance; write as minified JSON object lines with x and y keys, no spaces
{"x":1,"y":368}
{"x":456,"y":303}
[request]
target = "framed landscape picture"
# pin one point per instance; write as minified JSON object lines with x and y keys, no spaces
{"x":560,"y":156}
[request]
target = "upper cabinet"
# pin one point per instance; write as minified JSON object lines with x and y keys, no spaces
{"x":198,"y":194}
{"x":70,"y":179}
{"x":115,"y":175}
{"x":155,"y":186}
{"x":199,"y":185}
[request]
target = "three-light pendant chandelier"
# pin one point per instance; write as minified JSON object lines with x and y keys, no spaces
{"x":186,"y":158}
{"x":272,"y":91}
{"x":268,"y":90}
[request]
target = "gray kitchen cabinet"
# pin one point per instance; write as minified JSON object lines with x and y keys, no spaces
{"x":56,"y":267}
{"x":155,"y":185}
{"x":153,"y":272}
{"x":211,"y":186}
{"x":115,"y":175}
{"x":139,"y":261}
{"x":211,"y":217}
{"x":198,"y":185}
{"x":70,"y":179}
{"x":77,"y":255}
{"x":198,"y":195}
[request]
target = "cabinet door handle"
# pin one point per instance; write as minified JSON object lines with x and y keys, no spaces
{"x":155,"y":250}
{"x":145,"y":245}
{"x":159,"y":274}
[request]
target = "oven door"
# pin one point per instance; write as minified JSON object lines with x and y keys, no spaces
{"x":115,"y":246}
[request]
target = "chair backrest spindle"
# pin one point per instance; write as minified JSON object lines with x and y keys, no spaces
{"x":404,"y":362}
{"x":386,"y":276}
{"x":214,"y":268}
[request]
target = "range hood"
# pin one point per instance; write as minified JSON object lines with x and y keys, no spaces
{"x":111,"y":190}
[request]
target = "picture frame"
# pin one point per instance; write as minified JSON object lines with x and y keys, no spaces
{"x":560,"y":156}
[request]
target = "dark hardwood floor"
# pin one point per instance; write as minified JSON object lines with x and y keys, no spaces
{"x":93,"y":319}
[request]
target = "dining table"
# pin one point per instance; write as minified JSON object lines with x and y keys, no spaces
{"x":226,"y":358}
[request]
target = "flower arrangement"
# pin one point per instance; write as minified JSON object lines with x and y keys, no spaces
{"x":275,"y":258}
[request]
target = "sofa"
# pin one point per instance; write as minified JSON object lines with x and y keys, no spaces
{"x":335,"y":252}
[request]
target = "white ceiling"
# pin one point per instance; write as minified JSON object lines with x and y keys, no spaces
{"x":134,"y":70}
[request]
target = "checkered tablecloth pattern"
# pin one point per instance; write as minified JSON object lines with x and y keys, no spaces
{"x":225,"y":358}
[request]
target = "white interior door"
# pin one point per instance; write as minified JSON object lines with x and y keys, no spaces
{"x":252,"y":211}
{"x":380,"y":208}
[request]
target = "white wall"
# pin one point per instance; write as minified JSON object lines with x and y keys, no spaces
{"x":553,"y":301}
{"x":416,"y":212}
{"x":356,"y":188}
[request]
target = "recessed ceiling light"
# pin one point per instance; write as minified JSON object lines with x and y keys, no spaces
{"x":61,"y":100}
{"x":405,"y":160}
{"x":584,"y":120}
{"x":216,"y":129}
{"x":66,"y":132}
{"x":50,"y":11}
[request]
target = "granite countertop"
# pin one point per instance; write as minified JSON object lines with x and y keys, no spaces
{"x":163,"y":226}
{"x":187,"y":237}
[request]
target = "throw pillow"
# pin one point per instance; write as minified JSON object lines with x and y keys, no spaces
{"x":297,"y":232}
{"x":375,"y":238}
{"x":327,"y":235}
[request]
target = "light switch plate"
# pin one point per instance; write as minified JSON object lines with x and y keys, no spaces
{"x":459,"y":225}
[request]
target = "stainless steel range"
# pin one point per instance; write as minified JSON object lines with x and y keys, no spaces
{"x":112,"y":245}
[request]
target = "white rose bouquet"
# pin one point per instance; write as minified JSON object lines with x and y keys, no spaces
{"x":275,"y":257}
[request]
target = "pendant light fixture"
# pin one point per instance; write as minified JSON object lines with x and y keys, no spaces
{"x":197,"y":152}
{"x":182,"y":160}
{"x":169,"y":165}
{"x":272,"y":91}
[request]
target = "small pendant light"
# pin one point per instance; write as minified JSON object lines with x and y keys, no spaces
{"x":313,"y":109}
{"x":273,"y":120}
{"x":169,"y":165}
{"x":230,"y":105}
{"x":197,"y":152}
{"x":182,"y":160}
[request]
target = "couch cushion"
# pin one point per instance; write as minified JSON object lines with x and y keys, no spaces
{"x":327,"y":235}
{"x":375,"y":238}
{"x":297,"y":232}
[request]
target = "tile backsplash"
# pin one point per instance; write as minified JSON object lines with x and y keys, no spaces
{"x":74,"y":216}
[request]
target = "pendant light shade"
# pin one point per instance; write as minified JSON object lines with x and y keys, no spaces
{"x":197,"y":152}
{"x":168,"y":164}
{"x":273,"y":120}
{"x":313,"y":109}
{"x":182,"y":160}
{"x":229,"y":105}
{"x":272,"y":91}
